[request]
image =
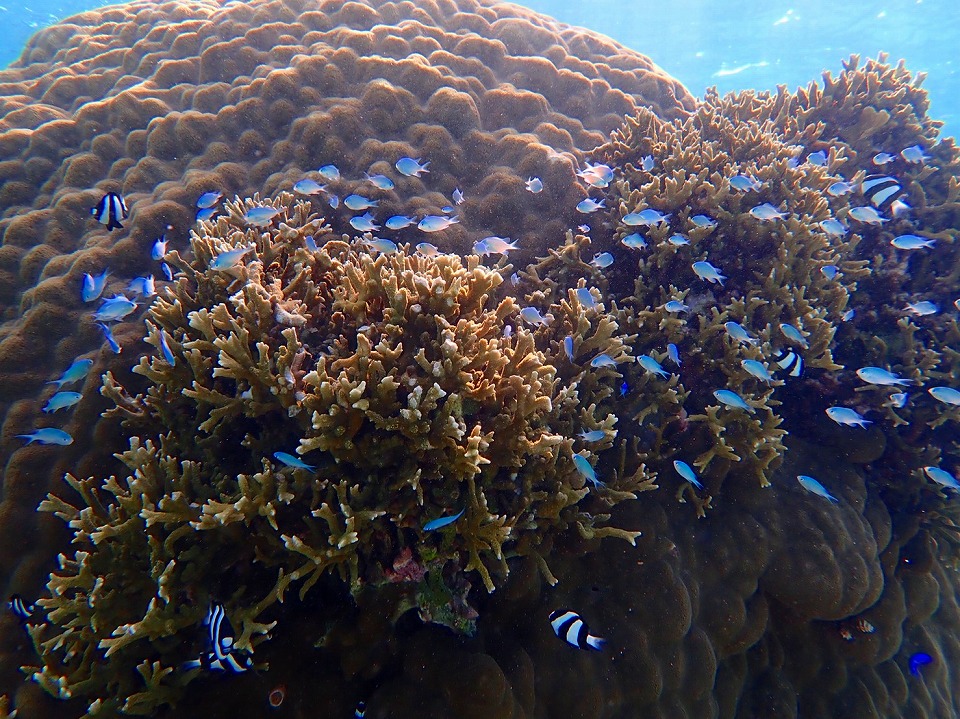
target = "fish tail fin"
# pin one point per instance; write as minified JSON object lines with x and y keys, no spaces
{"x":114,"y":224}
{"x":595,"y":642}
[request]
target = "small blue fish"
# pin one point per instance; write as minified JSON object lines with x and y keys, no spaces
{"x":145,"y":286}
{"x":602,"y":260}
{"x":209,"y":199}
{"x":427,"y":250}
{"x":62,"y":400}
{"x":293,"y":461}
{"x":830,"y":271}
{"x":532,"y":315}
{"x":867,"y":215}
{"x":917,"y":660}
{"x":330,"y":173}
{"x":732,"y":399}
{"x":947,"y":395}
{"x":652,"y":366}
{"x":436,"y":223}
{"x":165,"y":349}
{"x":441,"y":522}
{"x":624,"y":388}
{"x":205,"y":214}
{"x":411,"y":168}
{"x":494,"y":246}
{"x":364,"y":223}
{"x":814,"y":487}
{"x":703,"y":221}
{"x":159,"y":248}
{"x":448,"y":209}
{"x":922,"y":309}
{"x":48,"y":435}
{"x":647,"y":163}
{"x":534,"y":185}
{"x":674,"y":354}
{"x":381,"y":182}
{"x":676,"y":306}
{"x":767,"y":212}
{"x":705,"y":271}
{"x":586,"y":469}
{"x":586,"y":298}
{"x":744,"y":183}
{"x":793,"y":334}
{"x":589,"y":205}
{"x":818,"y":158}
{"x":686,"y":471}
{"x":359,"y":202}
{"x":756,"y":369}
{"x":74,"y":373}
{"x":833,"y":227}
{"x":841,"y":188}
{"x":603,"y":360}
{"x":260,"y":216}
{"x":847,"y":416}
{"x":108,"y":336}
{"x":678,"y":240}
{"x":596,"y":175}
{"x":883,"y":158}
{"x":592,"y":436}
{"x":739,"y":333}
{"x":167,"y":271}
{"x":634,"y":241}
{"x":229,"y":259}
{"x":398,"y":222}
{"x":912,"y":242}
{"x":899,"y":399}
{"x":93,"y":286}
{"x":942,"y":477}
{"x":568,"y":347}
{"x":387,"y":247}
{"x":848,"y":315}
{"x":307,"y":186}
{"x":645,"y":218}
{"x":334,"y":201}
{"x":914,"y":155}
{"x":310,"y":243}
{"x":457,"y":195}
{"x":878,"y":375}
{"x":114,"y":309}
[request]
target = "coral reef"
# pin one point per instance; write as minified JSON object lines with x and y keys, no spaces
{"x":392,"y":373}
{"x":407,"y":387}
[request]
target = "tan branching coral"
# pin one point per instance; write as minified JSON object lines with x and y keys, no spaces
{"x":398,"y":381}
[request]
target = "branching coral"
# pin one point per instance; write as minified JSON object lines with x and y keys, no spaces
{"x":392,"y":374}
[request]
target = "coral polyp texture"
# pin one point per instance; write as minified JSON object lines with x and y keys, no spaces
{"x":330,"y":463}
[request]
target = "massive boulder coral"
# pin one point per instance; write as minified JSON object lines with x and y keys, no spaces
{"x":163,"y":101}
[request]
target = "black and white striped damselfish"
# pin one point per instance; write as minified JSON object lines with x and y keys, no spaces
{"x":570,"y":627}
{"x":222,"y":656}
{"x":885,"y":193}
{"x":20,"y":608}
{"x":790,"y":362}
{"x":110,"y":210}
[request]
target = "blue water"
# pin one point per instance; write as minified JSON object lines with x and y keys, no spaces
{"x":732,"y":45}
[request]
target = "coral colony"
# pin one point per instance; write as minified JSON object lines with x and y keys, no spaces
{"x":697,"y":336}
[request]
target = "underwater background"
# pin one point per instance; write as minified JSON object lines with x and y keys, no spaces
{"x":447,"y":358}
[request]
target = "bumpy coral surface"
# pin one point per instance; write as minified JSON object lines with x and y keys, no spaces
{"x":421,"y":384}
